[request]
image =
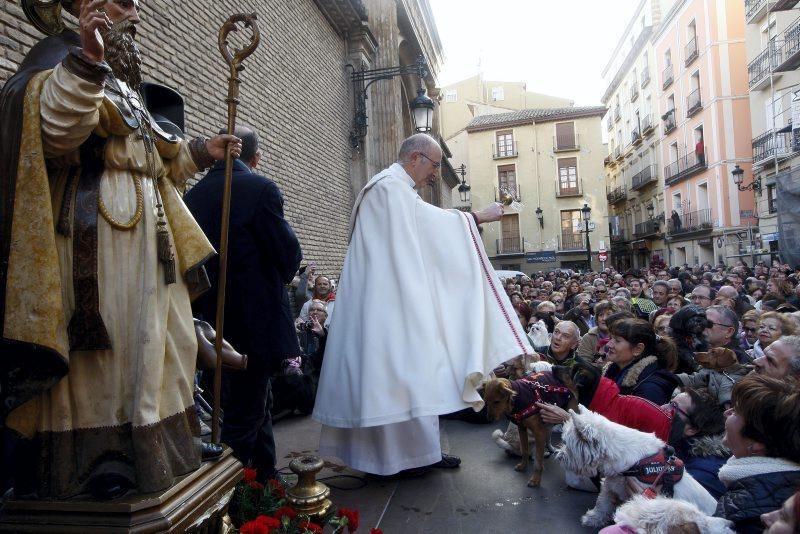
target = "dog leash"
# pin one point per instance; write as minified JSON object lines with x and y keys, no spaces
{"x":663,"y":462}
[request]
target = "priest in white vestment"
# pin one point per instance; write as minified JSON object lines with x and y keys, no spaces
{"x":422,"y":270}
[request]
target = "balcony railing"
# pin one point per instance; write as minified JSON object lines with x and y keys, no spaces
{"x":513,"y":190}
{"x":693,"y":221}
{"x":790,"y":48}
{"x":616,"y":195}
{"x":666,"y":77}
{"x":693,"y":103}
{"x":636,"y":136}
{"x":570,"y":241}
{"x":647,"y":228}
{"x":562,"y":192}
{"x":618,"y":153}
{"x":647,"y":124}
{"x":617,"y":113}
{"x":566,"y":142}
{"x":645,"y":77}
{"x":669,"y":121}
{"x":765,"y":62}
{"x":644,"y":177}
{"x":754,"y":9}
{"x":690,"y":52}
{"x":771,"y":144}
{"x":505,"y":151}
{"x":634,"y":92}
{"x":510,"y":245}
{"x":782,"y":5}
{"x":684,"y":167}
{"x":619,"y":237}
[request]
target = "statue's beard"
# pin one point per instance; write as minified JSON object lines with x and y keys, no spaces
{"x":122,"y":54}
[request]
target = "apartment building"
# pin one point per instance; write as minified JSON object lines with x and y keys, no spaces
{"x":705,"y":129}
{"x":634,"y":170}
{"x":550,"y":161}
{"x":772,"y":35}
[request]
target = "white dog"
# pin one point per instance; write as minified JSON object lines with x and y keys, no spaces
{"x":662,"y":515}
{"x":538,"y":334}
{"x":593,"y":446}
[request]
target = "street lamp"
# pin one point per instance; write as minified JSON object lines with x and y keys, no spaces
{"x":738,"y":178}
{"x":540,"y":216}
{"x":421,"y":106}
{"x":586,"y":212}
{"x":464,"y":188}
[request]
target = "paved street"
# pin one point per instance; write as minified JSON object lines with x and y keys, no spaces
{"x":485,"y":495}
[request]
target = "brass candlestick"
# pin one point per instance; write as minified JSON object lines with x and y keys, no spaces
{"x":308,"y":496}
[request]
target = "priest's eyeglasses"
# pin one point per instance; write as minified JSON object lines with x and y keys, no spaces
{"x":435,"y":164}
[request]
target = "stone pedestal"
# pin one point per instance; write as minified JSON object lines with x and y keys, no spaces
{"x":197,"y":503}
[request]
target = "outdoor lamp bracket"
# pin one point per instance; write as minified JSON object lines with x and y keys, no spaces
{"x":738,"y":178}
{"x":540,"y":216}
{"x":464,"y":187}
{"x":421,"y":106}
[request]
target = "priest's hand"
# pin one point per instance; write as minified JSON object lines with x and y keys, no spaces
{"x":90,"y":20}
{"x":492,"y":212}
{"x":218,"y":144}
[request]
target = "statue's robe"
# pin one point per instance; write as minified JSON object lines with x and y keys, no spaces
{"x":126,"y":408}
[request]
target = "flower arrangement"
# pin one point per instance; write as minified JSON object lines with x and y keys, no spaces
{"x":263,"y":509}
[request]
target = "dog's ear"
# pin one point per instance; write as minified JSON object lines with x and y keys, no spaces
{"x":583,"y":426}
{"x":505,"y":387}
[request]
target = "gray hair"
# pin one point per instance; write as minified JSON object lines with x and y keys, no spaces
{"x":728,"y":314}
{"x":793,"y":342}
{"x":661,"y":283}
{"x":625,"y":291}
{"x":576,"y":332}
{"x":622,"y":303}
{"x":416,"y":143}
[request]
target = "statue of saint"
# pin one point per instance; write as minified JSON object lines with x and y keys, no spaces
{"x":99,"y":260}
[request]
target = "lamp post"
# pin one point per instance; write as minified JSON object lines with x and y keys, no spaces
{"x":738,"y":178}
{"x":464,"y":188}
{"x":540,"y":216}
{"x":421,"y":106}
{"x":585,"y":213}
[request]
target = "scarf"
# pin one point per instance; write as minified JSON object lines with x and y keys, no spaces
{"x":738,"y":468}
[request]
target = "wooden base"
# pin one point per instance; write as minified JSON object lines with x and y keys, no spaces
{"x":196,"y":503}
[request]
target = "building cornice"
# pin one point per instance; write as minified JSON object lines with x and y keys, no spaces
{"x":637,"y":47}
{"x":345,"y":16}
{"x":531,"y":117}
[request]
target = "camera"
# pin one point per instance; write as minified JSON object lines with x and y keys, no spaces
{"x":308,"y":325}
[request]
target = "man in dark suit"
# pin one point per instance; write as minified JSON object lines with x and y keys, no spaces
{"x":263,"y":255}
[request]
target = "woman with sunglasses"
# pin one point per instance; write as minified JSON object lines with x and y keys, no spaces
{"x":749,"y":334}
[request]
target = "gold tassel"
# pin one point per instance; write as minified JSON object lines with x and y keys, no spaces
{"x":169,"y":271}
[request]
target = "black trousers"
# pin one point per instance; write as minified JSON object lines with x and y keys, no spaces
{"x":247,"y":423}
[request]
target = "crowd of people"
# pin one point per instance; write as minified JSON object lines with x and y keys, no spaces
{"x":716,"y":348}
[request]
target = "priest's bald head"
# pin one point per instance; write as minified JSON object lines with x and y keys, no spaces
{"x":421,"y":157}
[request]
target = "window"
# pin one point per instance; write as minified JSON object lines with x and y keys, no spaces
{"x":510,"y":241}
{"x":568,"y":176}
{"x":505,"y":143}
{"x":507,"y":179}
{"x":772,"y":199}
{"x":451,"y":96}
{"x":565,"y":136}
{"x":498,"y":93}
{"x":571,"y":225}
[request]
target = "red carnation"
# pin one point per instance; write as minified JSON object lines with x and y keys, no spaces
{"x":249,"y":474}
{"x":254,"y":527}
{"x":313,"y":527}
{"x":285,"y":511}
{"x":268,"y":522}
{"x":352,"y":518}
{"x":277,"y":488}
{"x":254,"y":484}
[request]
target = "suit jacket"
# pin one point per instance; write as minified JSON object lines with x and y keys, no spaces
{"x":263,"y":255}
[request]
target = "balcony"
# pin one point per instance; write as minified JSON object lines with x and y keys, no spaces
{"x":690,"y":52}
{"x":644,"y":178}
{"x":684,"y":167}
{"x":755,"y":9}
{"x":666,"y":77}
{"x":608,"y":161}
{"x":647,"y":229}
{"x":510,"y":245}
{"x":763,"y":65}
{"x":566,"y":143}
{"x":693,"y":103}
{"x":505,"y":151}
{"x":619,"y":237}
{"x":636,"y":136}
{"x":564,"y":192}
{"x":571,"y":242}
{"x":783,"y":5}
{"x":790,"y":48}
{"x":618,"y":155}
{"x":512,"y":189}
{"x":634,"y":92}
{"x":771,"y":145}
{"x":693,"y":221}
{"x":647,"y":125}
{"x":645,"y":77}
{"x":669,"y":121}
{"x":617,"y":194}
{"x":617,"y":113}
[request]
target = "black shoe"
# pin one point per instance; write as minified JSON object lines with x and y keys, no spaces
{"x":448,"y":461}
{"x":210,"y":451}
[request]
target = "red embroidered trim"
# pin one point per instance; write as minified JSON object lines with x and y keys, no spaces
{"x":494,"y":289}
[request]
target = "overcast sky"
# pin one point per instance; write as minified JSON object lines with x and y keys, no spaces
{"x":558,"y":47}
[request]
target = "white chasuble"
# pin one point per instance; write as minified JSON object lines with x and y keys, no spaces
{"x":420,"y":320}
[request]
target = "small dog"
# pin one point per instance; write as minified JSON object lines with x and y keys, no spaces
{"x":662,"y":516}
{"x":594,"y":446}
{"x":516,"y":399}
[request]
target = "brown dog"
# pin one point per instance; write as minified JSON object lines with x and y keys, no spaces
{"x":517,"y":400}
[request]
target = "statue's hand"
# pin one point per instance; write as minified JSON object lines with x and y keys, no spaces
{"x":218,"y":144}
{"x":91,"y":19}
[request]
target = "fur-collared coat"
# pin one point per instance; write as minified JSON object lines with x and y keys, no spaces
{"x":644,"y":379}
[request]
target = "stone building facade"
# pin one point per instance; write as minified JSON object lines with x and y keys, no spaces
{"x":295,"y":91}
